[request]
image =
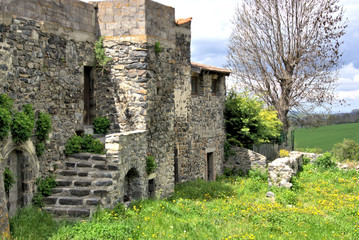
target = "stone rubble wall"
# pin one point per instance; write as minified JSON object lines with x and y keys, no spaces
{"x":46,"y":70}
{"x":127,"y":151}
{"x":245,"y":160}
{"x":281,"y":170}
{"x":4,"y":216}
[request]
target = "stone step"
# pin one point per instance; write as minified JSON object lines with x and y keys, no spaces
{"x":87,"y":156}
{"x":88,"y":166}
{"x":80,"y":192}
{"x":75,"y":212}
{"x":71,"y":201}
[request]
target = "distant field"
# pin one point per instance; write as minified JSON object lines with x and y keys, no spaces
{"x":325,"y":137}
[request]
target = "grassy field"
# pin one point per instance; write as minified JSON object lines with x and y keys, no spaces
{"x":326,"y":136}
{"x":322,"y":205}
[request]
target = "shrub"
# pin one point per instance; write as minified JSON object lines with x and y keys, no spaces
{"x":6,"y":102}
{"x":100,"y":54}
{"x":228,"y":152}
{"x":150,"y":164}
{"x":287,"y":196}
{"x":40,"y":149}
{"x":248,"y":122}
{"x":85,"y":143}
{"x":22,"y":126}
{"x":5,"y":122}
{"x":348,"y":150}
{"x":43,"y":126}
{"x":9,"y":179}
{"x":306,"y":160}
{"x":101,"y":125}
{"x":283,"y":153}
{"x":73,"y":145}
{"x":325,"y":161}
{"x":44,"y":189}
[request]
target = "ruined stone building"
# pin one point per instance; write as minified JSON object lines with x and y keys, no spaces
{"x":157,"y":100}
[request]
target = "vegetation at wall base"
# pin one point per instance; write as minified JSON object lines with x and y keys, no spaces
{"x":101,"y":125}
{"x":322,"y":205}
{"x":44,"y":189}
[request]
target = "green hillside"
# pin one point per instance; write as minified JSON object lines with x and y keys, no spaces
{"x":326,"y":136}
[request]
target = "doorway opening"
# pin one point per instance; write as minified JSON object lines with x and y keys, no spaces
{"x":210,"y":167}
{"x":89,"y":101}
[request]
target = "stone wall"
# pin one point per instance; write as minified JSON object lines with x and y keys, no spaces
{"x":67,"y":17}
{"x":46,"y":70}
{"x":245,"y":160}
{"x":281,"y":170}
{"x":128,"y":152}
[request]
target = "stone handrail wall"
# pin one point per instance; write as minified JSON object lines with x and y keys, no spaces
{"x":281,"y":170}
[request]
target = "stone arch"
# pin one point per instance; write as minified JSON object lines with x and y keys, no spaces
{"x":22,"y":161}
{"x":133,"y":185}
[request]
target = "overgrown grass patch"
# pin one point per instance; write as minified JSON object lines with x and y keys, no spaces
{"x":323,"y":205}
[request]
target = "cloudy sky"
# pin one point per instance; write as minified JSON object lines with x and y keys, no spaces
{"x":211,"y":28}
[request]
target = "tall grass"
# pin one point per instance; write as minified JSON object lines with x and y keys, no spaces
{"x":323,"y":205}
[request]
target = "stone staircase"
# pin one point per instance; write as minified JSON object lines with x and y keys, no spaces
{"x":82,"y":185}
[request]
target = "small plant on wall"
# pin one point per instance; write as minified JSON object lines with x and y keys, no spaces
{"x":158,"y":48}
{"x":100,"y":55}
{"x":150,"y":164}
{"x":101,"y":125}
{"x":86,"y":143}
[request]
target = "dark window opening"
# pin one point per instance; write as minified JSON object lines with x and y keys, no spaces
{"x":194,"y":85}
{"x":177,"y":178}
{"x":214,"y":87}
{"x":151,"y":188}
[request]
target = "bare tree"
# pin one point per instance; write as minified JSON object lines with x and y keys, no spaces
{"x":288,"y":52}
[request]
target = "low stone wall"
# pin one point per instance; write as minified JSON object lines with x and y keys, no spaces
{"x":281,"y":170}
{"x":245,"y":160}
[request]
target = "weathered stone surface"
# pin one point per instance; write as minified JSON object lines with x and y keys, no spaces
{"x":245,"y":160}
{"x":281,"y":170}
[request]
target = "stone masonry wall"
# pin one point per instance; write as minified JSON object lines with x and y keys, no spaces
{"x":44,"y":67}
{"x":281,"y":170}
{"x":167,"y":68}
{"x":128,"y":152}
{"x":245,"y":160}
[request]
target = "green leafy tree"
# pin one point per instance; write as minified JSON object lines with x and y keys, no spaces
{"x":248,"y":121}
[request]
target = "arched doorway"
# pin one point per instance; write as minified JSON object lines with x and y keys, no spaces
{"x":20,"y":193}
{"x":132,"y":186}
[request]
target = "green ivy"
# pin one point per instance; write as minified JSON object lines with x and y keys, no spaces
{"x":150,"y":164}
{"x":5,"y":123}
{"x":43,"y":126}
{"x":40,"y":148}
{"x":6,"y":102}
{"x":29,"y":111}
{"x":21,"y":127}
{"x":9,"y":179}
{"x":101,"y":125}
